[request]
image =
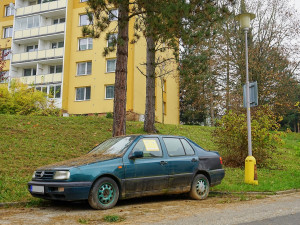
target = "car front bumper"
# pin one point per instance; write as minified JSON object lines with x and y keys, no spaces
{"x":65,"y":191}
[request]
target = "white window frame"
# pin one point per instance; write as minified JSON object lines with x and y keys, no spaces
{"x":25,"y":22}
{"x":81,"y":22}
{"x":84,"y":98}
{"x":111,"y":37}
{"x":112,"y":16}
{"x":6,"y":51}
{"x":109,"y":60}
{"x":31,"y":72}
{"x":59,"y":20}
{"x":55,"y":69}
{"x":7,"y":32}
{"x":9,"y":11}
{"x":88,"y":40}
{"x":86,"y":68}
{"x":34,"y":48}
{"x":57,"y":42}
{"x":106,"y":91}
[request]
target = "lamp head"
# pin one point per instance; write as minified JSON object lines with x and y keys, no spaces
{"x":244,"y":19}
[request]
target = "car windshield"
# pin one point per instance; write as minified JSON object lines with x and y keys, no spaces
{"x":114,"y":146}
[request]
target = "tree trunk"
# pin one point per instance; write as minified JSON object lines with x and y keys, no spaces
{"x":150,"y":87}
{"x":119,"y":123}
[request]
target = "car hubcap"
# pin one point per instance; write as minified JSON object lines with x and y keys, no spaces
{"x":201,"y":187}
{"x":106,"y":193}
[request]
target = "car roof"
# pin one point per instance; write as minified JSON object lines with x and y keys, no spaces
{"x":154,"y":135}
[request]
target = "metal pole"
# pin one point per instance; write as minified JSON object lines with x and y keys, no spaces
{"x":248,"y":96}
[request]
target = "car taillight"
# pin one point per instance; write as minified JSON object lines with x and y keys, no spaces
{"x":221,"y":161}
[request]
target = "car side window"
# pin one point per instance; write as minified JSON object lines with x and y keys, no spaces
{"x":149,"y":146}
{"x":174,"y":147}
{"x":187,"y":147}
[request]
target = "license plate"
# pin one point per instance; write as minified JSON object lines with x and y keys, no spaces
{"x":37,"y":189}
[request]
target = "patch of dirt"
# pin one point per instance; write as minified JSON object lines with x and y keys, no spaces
{"x":134,"y":211}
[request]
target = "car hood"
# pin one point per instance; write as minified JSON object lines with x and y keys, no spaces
{"x":76,"y":162}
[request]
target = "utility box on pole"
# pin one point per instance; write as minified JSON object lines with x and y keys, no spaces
{"x":253,"y":94}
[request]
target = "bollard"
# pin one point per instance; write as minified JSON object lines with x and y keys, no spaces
{"x":250,"y":171}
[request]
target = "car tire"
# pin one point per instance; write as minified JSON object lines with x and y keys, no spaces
{"x":200,"y":187}
{"x":104,"y":194}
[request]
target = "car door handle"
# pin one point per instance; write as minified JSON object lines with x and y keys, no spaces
{"x":194,"y":160}
{"x":163,"y":163}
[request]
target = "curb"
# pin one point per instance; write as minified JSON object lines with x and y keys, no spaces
{"x":6,"y":204}
{"x":258,"y":192}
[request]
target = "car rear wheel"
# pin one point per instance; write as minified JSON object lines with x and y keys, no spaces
{"x":200,"y":187}
{"x":104,"y":194}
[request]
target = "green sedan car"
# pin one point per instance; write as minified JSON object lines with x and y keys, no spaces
{"x":131,"y":166}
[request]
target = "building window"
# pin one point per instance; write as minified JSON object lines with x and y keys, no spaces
{"x":59,"y":44}
{"x":83,"y":93}
{"x":59,"y":20}
{"x":29,"y":72}
{"x":109,"y":92}
{"x":84,"y":68}
{"x":7,"y":32}
{"x":6,"y":54}
{"x":110,"y":65}
{"x":32,"y":48}
{"x":4,"y":76}
{"x":56,"y":69}
{"x":113,"y":15}
{"x":84,"y":20}
{"x":9,"y":11}
{"x":35,"y":2}
{"x":83,"y":0}
{"x":85,"y":44}
{"x":27,"y":22}
{"x":55,"y":91}
{"x":112,"y":40}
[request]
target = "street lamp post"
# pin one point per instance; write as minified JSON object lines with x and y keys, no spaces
{"x":250,"y":163}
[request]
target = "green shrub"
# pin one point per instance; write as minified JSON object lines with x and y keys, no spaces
{"x":231,"y":136}
{"x":25,"y":101}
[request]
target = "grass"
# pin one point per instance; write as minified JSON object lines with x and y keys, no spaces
{"x":28,"y":142}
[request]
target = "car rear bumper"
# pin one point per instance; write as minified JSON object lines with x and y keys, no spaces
{"x":66,"y":191}
{"x":216,"y":176}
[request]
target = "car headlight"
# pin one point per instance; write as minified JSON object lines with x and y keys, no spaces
{"x":61,"y":175}
{"x":33,"y":175}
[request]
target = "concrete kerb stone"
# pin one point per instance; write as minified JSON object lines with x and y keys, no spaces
{"x":7,"y":204}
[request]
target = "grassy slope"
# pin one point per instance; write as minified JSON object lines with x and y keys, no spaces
{"x":30,"y":142}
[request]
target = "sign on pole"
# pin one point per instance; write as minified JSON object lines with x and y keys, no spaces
{"x":253,"y":94}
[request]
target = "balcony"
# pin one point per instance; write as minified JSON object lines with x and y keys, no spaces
{"x":41,"y":79}
{"x":52,"y":30}
{"x":38,"y":55}
{"x":41,"y":8}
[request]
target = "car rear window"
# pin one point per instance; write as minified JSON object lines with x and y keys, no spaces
{"x":187,"y":147}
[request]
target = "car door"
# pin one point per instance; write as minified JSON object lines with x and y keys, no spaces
{"x":181,"y":163}
{"x":147,"y":175}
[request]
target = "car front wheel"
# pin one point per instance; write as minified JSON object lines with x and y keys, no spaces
{"x":200,"y":187}
{"x":104,"y":194}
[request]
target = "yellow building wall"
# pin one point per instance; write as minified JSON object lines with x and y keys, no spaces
{"x":5,"y":21}
{"x":136,"y":82}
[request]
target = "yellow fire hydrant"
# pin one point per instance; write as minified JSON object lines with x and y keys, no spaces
{"x":250,"y":171}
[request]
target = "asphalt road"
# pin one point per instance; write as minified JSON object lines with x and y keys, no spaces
{"x":283,"y":210}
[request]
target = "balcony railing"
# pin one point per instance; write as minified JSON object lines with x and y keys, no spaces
{"x":39,"y":31}
{"x":38,"y":55}
{"x":41,"y":7}
{"x":41,"y":79}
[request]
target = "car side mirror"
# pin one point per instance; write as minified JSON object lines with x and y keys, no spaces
{"x":137,"y":154}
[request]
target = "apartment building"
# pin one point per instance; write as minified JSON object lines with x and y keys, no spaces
{"x":49,"y":52}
